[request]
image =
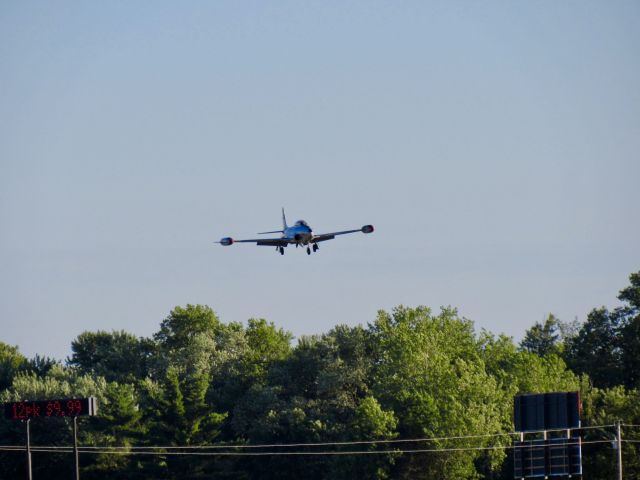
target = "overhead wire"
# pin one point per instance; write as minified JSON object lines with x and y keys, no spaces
{"x":300,"y":453}
{"x":189,"y":450}
{"x":342,"y":443}
{"x":325,"y":444}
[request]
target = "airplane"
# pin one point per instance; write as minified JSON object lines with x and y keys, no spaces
{"x":300,"y":235}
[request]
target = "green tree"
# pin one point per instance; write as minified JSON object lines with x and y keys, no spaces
{"x":183,"y":324}
{"x":266,"y":345}
{"x":116,"y":356}
{"x":175,"y":401}
{"x":242,"y":360}
{"x":318,"y":393}
{"x":11,"y":362}
{"x":630,"y":332}
{"x":631,"y":294}
{"x":430,"y":373}
{"x":520,"y":372}
{"x":41,"y":365}
{"x":605,"y":407}
{"x":595,"y":351}
{"x":543,"y":338}
{"x":607,"y":347}
{"x":630,"y":352}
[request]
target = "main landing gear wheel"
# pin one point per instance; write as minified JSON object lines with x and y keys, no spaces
{"x":315,"y":247}
{"x":281,"y":250}
{"x":308,"y":251}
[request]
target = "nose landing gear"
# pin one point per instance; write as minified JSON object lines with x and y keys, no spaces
{"x":308,"y":251}
{"x":315,"y":247}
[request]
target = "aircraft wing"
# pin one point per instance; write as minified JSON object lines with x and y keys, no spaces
{"x":269,"y":242}
{"x":330,"y":236}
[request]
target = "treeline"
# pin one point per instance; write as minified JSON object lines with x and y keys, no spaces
{"x":410,"y":373}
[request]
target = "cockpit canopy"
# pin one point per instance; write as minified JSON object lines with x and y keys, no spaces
{"x":301,"y":222}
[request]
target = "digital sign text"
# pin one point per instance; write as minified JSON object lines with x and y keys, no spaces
{"x":68,"y":407}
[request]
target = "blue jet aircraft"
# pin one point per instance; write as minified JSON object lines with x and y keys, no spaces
{"x":300,"y":234}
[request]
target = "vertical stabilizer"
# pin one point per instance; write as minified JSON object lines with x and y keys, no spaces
{"x":284,"y":220}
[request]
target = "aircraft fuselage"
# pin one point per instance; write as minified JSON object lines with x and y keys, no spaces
{"x":300,"y":233}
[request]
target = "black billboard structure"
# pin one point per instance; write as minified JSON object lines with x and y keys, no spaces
{"x":553,"y":449}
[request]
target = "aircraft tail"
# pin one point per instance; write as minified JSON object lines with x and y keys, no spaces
{"x":284,"y":226}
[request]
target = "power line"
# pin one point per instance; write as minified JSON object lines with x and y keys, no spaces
{"x":350,"y":452}
{"x":325,"y":444}
{"x":189,"y":450}
{"x":158,"y":450}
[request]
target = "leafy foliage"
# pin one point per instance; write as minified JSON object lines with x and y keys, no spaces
{"x":11,"y":362}
{"x":543,"y":339}
{"x":411,"y":373}
{"x":116,"y":356}
{"x":607,"y":347}
{"x":605,"y":407}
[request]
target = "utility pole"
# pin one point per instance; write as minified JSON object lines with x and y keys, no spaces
{"x":75,"y":447}
{"x":619,"y":445}
{"x":29,"y":475}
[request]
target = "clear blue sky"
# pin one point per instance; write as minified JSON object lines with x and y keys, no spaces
{"x":494,"y":145}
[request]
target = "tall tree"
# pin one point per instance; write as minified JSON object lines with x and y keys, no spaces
{"x":11,"y":362}
{"x":596,"y":349}
{"x":607,"y":347}
{"x":175,"y":398}
{"x":429,"y":372}
{"x":117,"y":356}
{"x":266,"y":344}
{"x":184,"y":323}
{"x":543,"y":338}
{"x":630,"y":332}
{"x":318,"y":393}
{"x":605,"y":407}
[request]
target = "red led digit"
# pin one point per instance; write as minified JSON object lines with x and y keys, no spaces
{"x":78,"y":407}
{"x":49,"y":409}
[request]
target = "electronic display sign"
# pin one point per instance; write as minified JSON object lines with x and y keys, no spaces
{"x":530,"y":459}
{"x":546,"y":411}
{"x":60,"y":408}
{"x":565,"y":456}
{"x":553,"y":413}
{"x":556,"y":457}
